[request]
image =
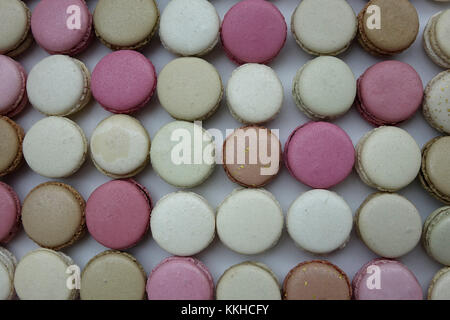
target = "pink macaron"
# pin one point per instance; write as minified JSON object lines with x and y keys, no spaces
{"x":9,"y":213}
{"x":180,"y":278}
{"x":62,"y":26}
{"x":253,"y":31}
{"x":385,"y":279}
{"x":319,"y":154}
{"x":389,"y":93}
{"x":13,"y":94}
{"x":118,"y":213}
{"x":123,"y":81}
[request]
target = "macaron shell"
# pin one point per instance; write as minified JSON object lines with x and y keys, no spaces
{"x":7,"y":267}
{"x":436,"y":105}
{"x":435,"y":170}
{"x":15,"y":25}
{"x":440,"y":286}
{"x":12,"y":85}
{"x":442,"y":32}
{"x":11,"y":139}
{"x":430,"y":45}
{"x":436,"y":235}
{"x":10,"y":210}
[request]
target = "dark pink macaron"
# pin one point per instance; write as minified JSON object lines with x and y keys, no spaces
{"x":253,"y":31}
{"x":9,"y":213}
{"x":62,"y":26}
{"x":319,"y":154}
{"x":123,"y":81}
{"x":13,"y":94}
{"x":389,"y":93}
{"x":118,"y":213}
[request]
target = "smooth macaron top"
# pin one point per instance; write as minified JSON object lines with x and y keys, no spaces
{"x":14,"y":25}
{"x":11,"y":138}
{"x":442,"y":32}
{"x":396,"y":282}
{"x":12,"y":85}
{"x":118,"y":213}
{"x":436,"y":235}
{"x":319,"y":154}
{"x":253,"y":31}
{"x":178,"y":278}
{"x":9,"y":212}
{"x":54,"y":30}
{"x":389,"y":92}
{"x":123,"y":81}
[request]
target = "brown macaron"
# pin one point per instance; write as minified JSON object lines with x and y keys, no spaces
{"x":398,"y":30}
{"x":11,"y":139}
{"x":252,"y":156}
{"x":316,"y":280}
{"x":53,"y":215}
{"x":435,"y":170}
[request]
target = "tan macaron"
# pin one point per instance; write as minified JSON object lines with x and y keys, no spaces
{"x":11,"y":138}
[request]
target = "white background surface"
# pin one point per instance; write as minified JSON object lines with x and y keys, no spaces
{"x":217,"y":257}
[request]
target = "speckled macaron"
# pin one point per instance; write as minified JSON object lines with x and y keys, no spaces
{"x":127,"y":24}
{"x":324,"y":27}
{"x":7,"y":267}
{"x":113,"y":275}
{"x":388,"y":158}
{"x":435,"y":172}
{"x":55,"y":147}
{"x":11,"y":140}
{"x":15,"y":35}
{"x":254,"y":93}
{"x":59,"y":85}
{"x":436,"y":235}
{"x":10,"y":211}
{"x":435,"y":38}
{"x":389,"y":224}
{"x":13,"y":93}
{"x":53,"y":215}
{"x":439,"y":288}
{"x":248,"y":281}
{"x":249,"y":221}
{"x":183,"y":154}
{"x":120,"y":146}
{"x":189,"y":89}
{"x":436,"y":103}
{"x":252,"y":156}
{"x":324,"y":88}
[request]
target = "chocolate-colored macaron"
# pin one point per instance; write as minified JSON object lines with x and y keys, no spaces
{"x":252,"y":156}
{"x":11,"y":138}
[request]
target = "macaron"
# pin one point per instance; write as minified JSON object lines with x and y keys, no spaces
{"x":248,"y":281}
{"x":123,"y":81}
{"x":249,"y":221}
{"x":387,"y":158}
{"x":118,"y":213}
{"x":398,"y":30}
{"x":180,"y":278}
{"x":190,"y":89}
{"x":389,"y":93}
{"x":385,"y":279}
{"x":121,"y":25}
{"x":120,"y":146}
{"x":59,"y":85}
{"x":255,"y":94}
{"x":53,"y":215}
{"x":319,"y":221}
{"x":434,"y":172}
{"x":319,"y":154}
{"x":316,"y":280}
{"x":13,"y":93}
{"x":440,"y":285}
{"x":15,"y":35}
{"x":113,"y":275}
{"x":435,"y":38}
{"x":252,"y":156}
{"x":324,"y":88}
{"x":11,"y":139}
{"x":183,"y":223}
{"x":189,"y":27}
{"x":55,"y":147}
{"x":436,"y":103}
{"x":389,"y":224}
{"x":41,"y":275}
{"x":253,"y":31}
{"x":183,"y":154}
{"x":62,"y":26}
{"x":324,"y":27}
{"x":7,"y":267}
{"x":10,"y":212}
{"x":436,"y":235}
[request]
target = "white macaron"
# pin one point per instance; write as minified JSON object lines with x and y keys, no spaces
{"x":7,"y":267}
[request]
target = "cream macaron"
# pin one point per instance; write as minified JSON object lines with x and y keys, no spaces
{"x":436,"y":235}
{"x":15,"y":23}
{"x":7,"y":267}
{"x":436,"y":103}
{"x":439,"y":288}
{"x":435,"y":38}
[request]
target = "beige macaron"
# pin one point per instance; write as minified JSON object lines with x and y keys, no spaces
{"x":11,"y":138}
{"x":436,"y":38}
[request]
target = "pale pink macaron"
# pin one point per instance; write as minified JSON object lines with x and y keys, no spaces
{"x":62,"y":26}
{"x":389,"y":93}
{"x":13,"y":94}
{"x":253,"y":31}
{"x":118,"y":213}
{"x":319,"y":154}
{"x":123,"y":81}
{"x":9,"y":213}
{"x":180,"y":278}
